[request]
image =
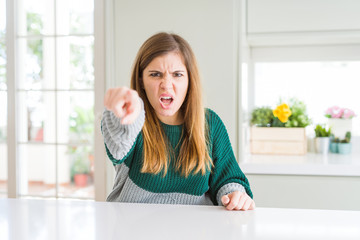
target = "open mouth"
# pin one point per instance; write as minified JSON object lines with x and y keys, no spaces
{"x":166,"y":101}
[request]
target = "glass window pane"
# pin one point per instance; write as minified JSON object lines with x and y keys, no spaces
{"x":3,"y":85}
{"x":3,"y":169}
{"x":3,"y":105}
{"x":75,"y":69}
{"x":35,"y":17}
{"x":36,"y":122}
{"x":76,"y":171}
{"x":2,"y":15}
{"x":3,"y":144}
{"x":75,"y":17}
{"x":2,"y":46}
{"x":3,"y":117}
{"x":76,"y":117}
{"x":37,"y":174}
{"x":36,"y":63}
{"x":319,"y":85}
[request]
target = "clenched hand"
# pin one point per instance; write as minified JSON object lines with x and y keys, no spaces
{"x":238,"y":201}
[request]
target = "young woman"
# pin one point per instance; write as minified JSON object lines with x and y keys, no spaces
{"x":166,"y":148}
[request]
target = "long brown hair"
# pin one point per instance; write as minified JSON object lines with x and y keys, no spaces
{"x":194,"y":156}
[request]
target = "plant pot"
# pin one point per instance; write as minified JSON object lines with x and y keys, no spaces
{"x":80,"y":179}
{"x":334,"y":147}
{"x":322,"y":144}
{"x":344,"y":148}
{"x":340,"y":126}
{"x":278,"y":140}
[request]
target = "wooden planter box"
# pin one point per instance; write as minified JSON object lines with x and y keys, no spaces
{"x":273,"y":140}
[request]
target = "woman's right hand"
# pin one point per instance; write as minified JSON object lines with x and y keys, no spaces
{"x":124,"y":103}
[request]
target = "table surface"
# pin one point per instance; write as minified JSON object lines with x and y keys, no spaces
{"x":70,"y":219}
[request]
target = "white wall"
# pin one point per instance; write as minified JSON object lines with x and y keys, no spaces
{"x":274,"y":16}
{"x":303,"y":22}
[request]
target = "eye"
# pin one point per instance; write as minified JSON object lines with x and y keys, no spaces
{"x":178,"y":74}
{"x":155,"y":74}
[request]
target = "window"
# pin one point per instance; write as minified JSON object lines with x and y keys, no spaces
{"x":3,"y":101}
{"x":319,"y":85}
{"x":55,"y":98}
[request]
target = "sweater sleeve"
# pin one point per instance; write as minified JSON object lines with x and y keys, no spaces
{"x":226,"y":175}
{"x":119,"y":138}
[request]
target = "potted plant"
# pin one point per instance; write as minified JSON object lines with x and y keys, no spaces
{"x":334,"y":144}
{"x":80,"y":167}
{"x":280,"y":130}
{"x":340,"y":120}
{"x":81,"y":156}
{"x":344,"y":146}
{"x":322,"y":138}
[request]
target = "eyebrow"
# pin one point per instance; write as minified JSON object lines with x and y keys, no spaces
{"x":160,"y":71}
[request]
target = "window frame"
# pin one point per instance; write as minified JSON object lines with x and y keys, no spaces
{"x":13,"y":104}
{"x":303,"y":53}
{"x":282,"y":51}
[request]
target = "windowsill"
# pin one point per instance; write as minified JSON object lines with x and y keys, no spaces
{"x":310,"y":164}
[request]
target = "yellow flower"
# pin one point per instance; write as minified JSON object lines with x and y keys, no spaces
{"x":282,"y":112}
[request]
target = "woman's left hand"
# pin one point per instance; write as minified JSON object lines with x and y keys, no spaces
{"x":238,"y":201}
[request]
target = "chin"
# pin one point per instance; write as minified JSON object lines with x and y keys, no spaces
{"x":167,"y":112}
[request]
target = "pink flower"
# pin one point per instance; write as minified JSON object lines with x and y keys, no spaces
{"x":348,"y":113}
{"x":330,"y":110}
{"x":337,"y":112}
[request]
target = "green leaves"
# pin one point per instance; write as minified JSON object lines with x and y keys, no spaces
{"x":299,"y":117}
{"x":320,"y":131}
{"x":347,"y":138}
{"x":262,"y":117}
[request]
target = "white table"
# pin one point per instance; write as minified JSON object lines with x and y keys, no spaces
{"x":65,"y":219}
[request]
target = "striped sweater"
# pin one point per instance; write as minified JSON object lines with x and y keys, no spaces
{"x":124,"y":147}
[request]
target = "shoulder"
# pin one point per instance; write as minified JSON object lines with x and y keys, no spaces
{"x":212,"y":118}
{"x":218,"y":137}
{"x":214,"y":123}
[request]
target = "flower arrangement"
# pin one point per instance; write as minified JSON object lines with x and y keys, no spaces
{"x":284,"y":115}
{"x":337,"y":112}
{"x":282,"y":112}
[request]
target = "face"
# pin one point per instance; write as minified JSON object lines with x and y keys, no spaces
{"x":166,"y":82}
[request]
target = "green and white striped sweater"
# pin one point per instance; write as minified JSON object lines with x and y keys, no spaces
{"x":124,"y":147}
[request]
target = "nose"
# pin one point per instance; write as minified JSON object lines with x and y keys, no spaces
{"x":166,"y":82}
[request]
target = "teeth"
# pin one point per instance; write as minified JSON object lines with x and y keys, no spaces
{"x":166,"y":98}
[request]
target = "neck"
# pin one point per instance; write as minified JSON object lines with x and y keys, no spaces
{"x":175,"y":119}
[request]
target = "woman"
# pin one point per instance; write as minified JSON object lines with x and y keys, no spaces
{"x":178,"y":152}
